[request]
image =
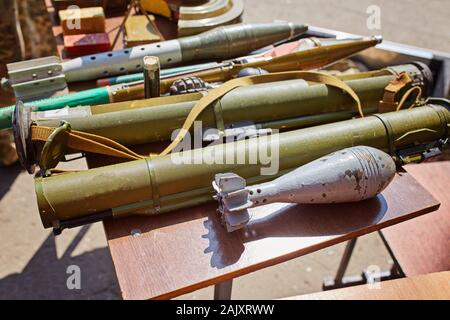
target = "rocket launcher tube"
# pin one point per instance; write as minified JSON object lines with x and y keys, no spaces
{"x":274,"y":101}
{"x":295,"y":46}
{"x":86,"y":97}
{"x":95,"y":96}
{"x":220,"y":43}
{"x":157,"y":185}
{"x":307,"y":58}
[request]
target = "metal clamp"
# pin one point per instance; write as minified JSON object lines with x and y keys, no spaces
{"x":422,"y":152}
{"x":55,"y":148}
{"x":154,"y":186}
{"x":237,"y":131}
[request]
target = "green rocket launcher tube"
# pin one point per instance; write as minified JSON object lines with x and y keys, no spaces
{"x":283,"y":104}
{"x":96,"y":96}
{"x":156,"y":185}
{"x":85,"y":97}
{"x":88,"y":97}
{"x":224,"y":42}
{"x":314,"y":54}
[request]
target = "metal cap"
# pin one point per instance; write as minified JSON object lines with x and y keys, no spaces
{"x":427,"y":76}
{"x":378,"y":38}
{"x":21,"y":124}
{"x":297,"y":29}
{"x":251,"y":72}
{"x":5,"y":84}
{"x":151,"y":63}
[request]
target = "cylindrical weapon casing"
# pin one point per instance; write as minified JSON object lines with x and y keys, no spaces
{"x":306,"y":59}
{"x":351,"y":46}
{"x":151,"y":77}
{"x":158,"y":185}
{"x":348,"y":175}
{"x":220,"y":43}
{"x":258,"y":103}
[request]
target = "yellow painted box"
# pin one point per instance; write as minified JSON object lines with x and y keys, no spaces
{"x":82,"y":20}
{"x":140,"y":31}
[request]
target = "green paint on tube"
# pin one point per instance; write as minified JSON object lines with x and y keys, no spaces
{"x":83,"y":98}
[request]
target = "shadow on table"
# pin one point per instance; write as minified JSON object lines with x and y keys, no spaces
{"x":291,"y":220}
{"x":45,"y":276}
{"x":277,"y":220}
{"x":7,"y":176}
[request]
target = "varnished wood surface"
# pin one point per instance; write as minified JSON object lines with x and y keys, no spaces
{"x":434,"y":286}
{"x":186,"y":250}
{"x":423,"y":245}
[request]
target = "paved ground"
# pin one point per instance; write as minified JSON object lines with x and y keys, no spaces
{"x":414,"y":22}
{"x":33,"y":263}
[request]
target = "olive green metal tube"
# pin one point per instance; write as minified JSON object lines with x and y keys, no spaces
{"x":313,"y":120}
{"x":158,"y":184}
{"x":257,"y":103}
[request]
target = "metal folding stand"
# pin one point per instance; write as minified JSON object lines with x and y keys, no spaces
{"x":136,"y":4}
{"x":222,"y":291}
{"x":367,"y":276}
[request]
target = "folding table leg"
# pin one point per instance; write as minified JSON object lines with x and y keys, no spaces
{"x":396,"y":270}
{"x":338,"y":280}
{"x":222,"y":291}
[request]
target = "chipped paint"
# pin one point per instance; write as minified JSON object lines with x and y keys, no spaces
{"x":354,"y":174}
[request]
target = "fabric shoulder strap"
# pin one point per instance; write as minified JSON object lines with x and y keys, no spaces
{"x":86,"y":142}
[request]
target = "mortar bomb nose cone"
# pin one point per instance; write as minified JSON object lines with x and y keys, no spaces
{"x":297,"y":28}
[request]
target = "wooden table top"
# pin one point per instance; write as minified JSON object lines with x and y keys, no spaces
{"x":423,"y":245}
{"x":434,"y":286}
{"x":189,"y":249}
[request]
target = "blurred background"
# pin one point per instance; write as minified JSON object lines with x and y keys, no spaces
{"x":33,"y":262}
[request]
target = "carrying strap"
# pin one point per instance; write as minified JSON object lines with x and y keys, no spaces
{"x":217,"y":93}
{"x":87,"y":142}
